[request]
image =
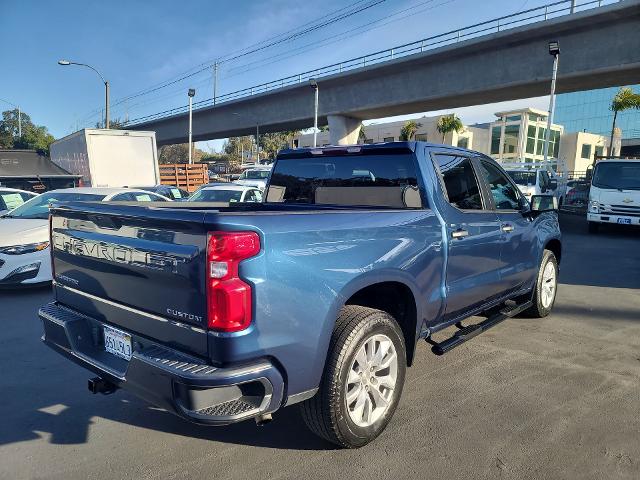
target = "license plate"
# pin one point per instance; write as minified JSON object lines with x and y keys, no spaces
{"x":117,"y":343}
{"x":625,"y":221}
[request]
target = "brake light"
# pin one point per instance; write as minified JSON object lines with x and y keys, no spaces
{"x":229,"y":302}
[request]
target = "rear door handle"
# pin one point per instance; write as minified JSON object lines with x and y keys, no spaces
{"x":507,"y":228}
{"x":460,"y":233}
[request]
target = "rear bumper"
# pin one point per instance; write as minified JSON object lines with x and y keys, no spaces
{"x":182,"y":384}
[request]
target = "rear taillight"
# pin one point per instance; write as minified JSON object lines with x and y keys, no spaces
{"x":229,"y":302}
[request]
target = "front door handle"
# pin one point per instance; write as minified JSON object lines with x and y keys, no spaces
{"x":460,"y":233}
{"x":507,"y":228}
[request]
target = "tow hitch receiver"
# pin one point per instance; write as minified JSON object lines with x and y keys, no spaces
{"x":100,"y":385}
{"x":467,"y":333}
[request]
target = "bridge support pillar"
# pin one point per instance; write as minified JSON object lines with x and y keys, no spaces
{"x":343,"y":130}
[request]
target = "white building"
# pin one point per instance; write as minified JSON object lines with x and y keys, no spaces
{"x":390,"y":132}
{"x":514,"y":136}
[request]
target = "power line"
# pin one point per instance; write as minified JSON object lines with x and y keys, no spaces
{"x":258,"y":48}
{"x":361,"y":29}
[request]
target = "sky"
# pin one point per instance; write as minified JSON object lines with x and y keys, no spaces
{"x":137,"y":45}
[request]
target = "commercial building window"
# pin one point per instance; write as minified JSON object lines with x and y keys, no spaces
{"x":540,"y":142}
{"x":533,"y":117}
{"x":586,"y":151}
{"x":495,"y":140}
{"x":368,"y":140}
{"x":554,"y":143}
{"x":512,"y":118}
{"x":463,"y":142}
{"x":387,"y":139}
{"x":511,"y":133}
{"x":599,"y":151}
{"x":531,"y":139}
{"x":421,"y":137}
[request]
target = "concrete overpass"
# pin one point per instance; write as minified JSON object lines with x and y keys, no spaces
{"x":600,"y":48}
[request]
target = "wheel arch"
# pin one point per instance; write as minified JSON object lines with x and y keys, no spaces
{"x":398,"y":300}
{"x":555,"y":246}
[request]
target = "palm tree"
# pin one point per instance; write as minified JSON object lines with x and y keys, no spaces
{"x":361,"y":135}
{"x":449,"y":123}
{"x":625,"y":99}
{"x":408,"y":131}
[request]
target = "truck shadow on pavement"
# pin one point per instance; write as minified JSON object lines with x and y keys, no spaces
{"x":608,"y":259}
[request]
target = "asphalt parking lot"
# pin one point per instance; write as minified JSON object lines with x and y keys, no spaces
{"x":553,"y":398}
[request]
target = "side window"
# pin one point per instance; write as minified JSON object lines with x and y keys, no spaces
{"x":460,"y":182}
{"x":250,"y":196}
{"x":258,"y":195}
{"x":505,"y":195}
{"x":122,"y":197}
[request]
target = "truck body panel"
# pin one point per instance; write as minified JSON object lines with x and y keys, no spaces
{"x":109,"y":158}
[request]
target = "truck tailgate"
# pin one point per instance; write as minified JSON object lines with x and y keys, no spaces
{"x":137,"y":267}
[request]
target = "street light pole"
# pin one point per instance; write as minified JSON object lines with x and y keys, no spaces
{"x":19,"y":116}
{"x":106,"y":87}
{"x":554,"y":50}
{"x":314,"y":85}
{"x":257,"y":143}
{"x":191,"y":94}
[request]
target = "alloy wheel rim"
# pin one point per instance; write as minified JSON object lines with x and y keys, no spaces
{"x":548,"y":291}
{"x":371,"y":380}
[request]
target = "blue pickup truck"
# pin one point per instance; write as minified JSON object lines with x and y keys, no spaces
{"x":316,"y":297}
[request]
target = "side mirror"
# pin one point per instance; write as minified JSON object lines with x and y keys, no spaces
{"x":553,"y":183}
{"x":543,"y":203}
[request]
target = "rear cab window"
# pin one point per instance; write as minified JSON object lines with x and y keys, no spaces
{"x":373,"y":180}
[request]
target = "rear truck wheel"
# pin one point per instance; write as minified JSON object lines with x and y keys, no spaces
{"x":362,"y":380}
{"x":544,"y":294}
{"x":594,"y":227}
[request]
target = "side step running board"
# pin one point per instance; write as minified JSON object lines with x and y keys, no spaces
{"x":467,"y":333}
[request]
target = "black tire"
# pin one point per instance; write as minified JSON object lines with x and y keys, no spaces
{"x":326,"y":414}
{"x":538,"y":309}
{"x":594,"y":227}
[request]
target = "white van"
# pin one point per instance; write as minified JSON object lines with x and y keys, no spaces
{"x":614,"y":196}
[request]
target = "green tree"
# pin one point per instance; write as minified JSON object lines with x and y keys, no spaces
{"x":238,"y":149}
{"x":449,"y":123}
{"x":178,"y":153}
{"x":34,"y":137}
{"x":409,"y":129}
{"x":114,"y":124}
{"x":272,"y":143}
{"x":625,"y":99}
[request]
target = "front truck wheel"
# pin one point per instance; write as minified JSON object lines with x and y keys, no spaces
{"x":594,"y":227}
{"x":362,"y":380}
{"x":546,"y":287}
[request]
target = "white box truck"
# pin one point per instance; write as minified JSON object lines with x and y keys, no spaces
{"x":109,"y":158}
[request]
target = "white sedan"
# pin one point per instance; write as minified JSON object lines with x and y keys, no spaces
{"x":11,"y":198}
{"x":24,"y":231}
{"x":225,"y":194}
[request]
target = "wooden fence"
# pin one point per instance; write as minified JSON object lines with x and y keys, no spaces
{"x":182,"y":175}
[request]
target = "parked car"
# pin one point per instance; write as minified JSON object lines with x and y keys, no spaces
{"x":317,"y":297}
{"x":11,"y":198}
{"x":24,"y":231}
{"x":224,"y":194}
{"x":173,"y":193}
{"x":254,"y":177}
{"x":577,"y":194}
{"x":538,"y":181}
{"x":614,"y":196}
